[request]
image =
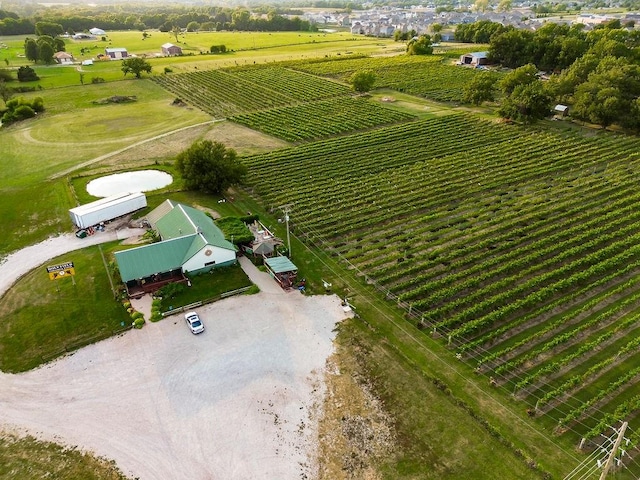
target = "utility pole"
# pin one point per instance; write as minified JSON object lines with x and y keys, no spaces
{"x":614,"y":450}
{"x":106,"y":268}
{"x":286,"y":209}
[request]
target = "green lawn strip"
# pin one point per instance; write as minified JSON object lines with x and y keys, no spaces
{"x":243,"y":48}
{"x":32,"y":213}
{"x":40,"y":322}
{"x":73,"y":129}
{"x":208,"y":286}
{"x":435,"y":436}
{"x":404,"y":102}
{"x":25,"y":457}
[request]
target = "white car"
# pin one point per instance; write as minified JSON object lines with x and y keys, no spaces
{"x":194,"y":322}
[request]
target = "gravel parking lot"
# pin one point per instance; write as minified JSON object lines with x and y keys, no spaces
{"x":235,"y":402}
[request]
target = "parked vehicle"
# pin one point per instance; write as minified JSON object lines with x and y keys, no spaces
{"x":195,"y":324}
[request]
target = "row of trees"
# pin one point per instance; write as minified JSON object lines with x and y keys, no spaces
{"x":43,"y":48}
{"x":55,"y":22}
{"x":596,"y":72}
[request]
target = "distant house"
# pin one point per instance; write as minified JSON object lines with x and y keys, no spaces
{"x":63,"y":58}
{"x":83,"y":36}
{"x":171,"y":50}
{"x":190,"y":243}
{"x":96,"y":31}
{"x":116,"y":53}
{"x":475,"y":59}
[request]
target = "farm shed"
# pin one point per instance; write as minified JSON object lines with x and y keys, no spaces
{"x":561,"y":110}
{"x":475,"y":59}
{"x":190,"y":243}
{"x":282,"y":270}
{"x":96,"y":31}
{"x":107,"y":209}
{"x":116,"y":53}
{"x":170,"y":50}
{"x":63,"y":58}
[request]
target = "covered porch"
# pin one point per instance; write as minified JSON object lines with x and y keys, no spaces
{"x":282,"y":270}
{"x":138,"y":287}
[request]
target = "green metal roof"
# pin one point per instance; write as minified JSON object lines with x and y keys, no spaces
{"x":147,"y":260}
{"x":184,"y":231}
{"x":184,"y":220}
{"x":280,"y":264}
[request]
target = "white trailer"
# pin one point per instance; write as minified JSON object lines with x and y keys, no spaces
{"x":106,"y":209}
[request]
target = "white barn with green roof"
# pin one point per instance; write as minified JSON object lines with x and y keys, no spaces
{"x":190,"y":243}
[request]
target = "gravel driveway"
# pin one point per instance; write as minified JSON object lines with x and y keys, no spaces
{"x":235,"y":402}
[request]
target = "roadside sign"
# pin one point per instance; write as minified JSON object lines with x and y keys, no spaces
{"x":60,"y":271}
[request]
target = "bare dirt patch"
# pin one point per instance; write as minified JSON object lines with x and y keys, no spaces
{"x":244,"y":140}
{"x":354,"y":430}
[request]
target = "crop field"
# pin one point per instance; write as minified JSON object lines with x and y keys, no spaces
{"x":224,"y":93}
{"x":519,"y":249}
{"x":323,"y":118}
{"x":426,"y":76}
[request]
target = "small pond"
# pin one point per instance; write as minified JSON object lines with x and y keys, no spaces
{"x":139,"y":181}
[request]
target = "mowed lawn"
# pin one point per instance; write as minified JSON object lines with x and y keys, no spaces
{"x":242,"y":48}
{"x":71,"y":131}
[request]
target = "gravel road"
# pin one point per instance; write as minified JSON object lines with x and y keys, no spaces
{"x":235,"y":402}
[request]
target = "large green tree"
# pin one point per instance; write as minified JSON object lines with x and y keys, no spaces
{"x":480,"y":89}
{"x":420,"y":46}
{"x":31,"y":49}
{"x":527,"y":103}
{"x":49,"y":28}
{"x":45,"y":51}
{"x":210,"y":167}
{"x":610,"y":93}
{"x":135,"y":65}
{"x":363,"y":81}
{"x":524,"y":75}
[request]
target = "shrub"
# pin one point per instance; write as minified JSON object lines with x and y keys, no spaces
{"x":138,"y":323}
{"x":27,"y":74}
{"x":170,"y":290}
{"x":37,"y":104}
{"x":6,"y":75}
{"x":126,"y":305}
{"x":168,"y":70}
{"x":136,"y":315}
{"x":20,"y":109}
{"x":24,"y":111}
{"x":97,"y":80}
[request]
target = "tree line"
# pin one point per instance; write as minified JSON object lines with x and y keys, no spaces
{"x":163,"y":19}
{"x":596,"y":72}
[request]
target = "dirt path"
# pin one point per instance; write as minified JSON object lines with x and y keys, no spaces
{"x":18,"y":263}
{"x":128,"y":147}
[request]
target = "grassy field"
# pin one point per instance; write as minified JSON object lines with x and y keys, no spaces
{"x":243,"y":48}
{"x":26,"y":457}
